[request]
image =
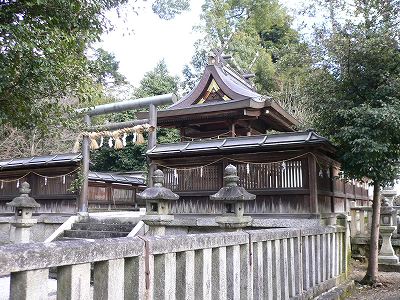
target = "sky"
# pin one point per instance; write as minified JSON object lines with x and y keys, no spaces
{"x":154,"y":39}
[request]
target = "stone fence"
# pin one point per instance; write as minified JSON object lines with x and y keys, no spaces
{"x":360,"y":230}
{"x":256,"y":264}
{"x":361,"y":218}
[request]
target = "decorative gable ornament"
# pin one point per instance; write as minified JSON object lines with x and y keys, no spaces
{"x":213,"y":93}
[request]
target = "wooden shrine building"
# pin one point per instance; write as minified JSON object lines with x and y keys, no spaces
{"x":222,"y":121}
{"x":225,"y":104}
{"x":52,"y":178}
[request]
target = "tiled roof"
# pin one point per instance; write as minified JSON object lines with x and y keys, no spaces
{"x":115,"y":178}
{"x":39,"y":161}
{"x":236,"y":143}
{"x":66,"y":159}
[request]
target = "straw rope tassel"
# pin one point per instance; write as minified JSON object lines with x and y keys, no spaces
{"x":75,"y":149}
{"x":139,"y":138}
{"x":118,"y":143}
{"x":93,"y":143}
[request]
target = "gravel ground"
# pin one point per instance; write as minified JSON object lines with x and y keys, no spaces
{"x":389,"y":289}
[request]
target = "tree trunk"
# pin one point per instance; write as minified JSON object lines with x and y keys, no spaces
{"x":33,"y":136}
{"x":372,"y":270}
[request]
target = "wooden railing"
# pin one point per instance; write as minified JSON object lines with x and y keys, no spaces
{"x":259,"y":264}
{"x":290,"y":175}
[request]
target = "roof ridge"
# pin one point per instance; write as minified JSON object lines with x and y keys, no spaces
{"x":238,"y":76}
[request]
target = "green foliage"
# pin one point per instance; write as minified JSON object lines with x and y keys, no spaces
{"x":259,"y":36}
{"x":104,"y":68}
{"x":128,"y":158}
{"x":354,"y":93}
{"x":155,"y":82}
{"x":77,"y":183}
{"x":167,"y":9}
{"x":354,"y":90}
{"x":42,"y":57}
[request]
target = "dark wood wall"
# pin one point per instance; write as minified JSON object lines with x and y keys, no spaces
{"x":55,"y":196}
{"x":108,"y":196}
{"x":304,"y":184}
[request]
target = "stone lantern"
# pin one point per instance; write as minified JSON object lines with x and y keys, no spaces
{"x":386,"y":229}
{"x":233,"y":198}
{"x":158,"y":199}
{"x":389,"y":193}
{"x":24,"y":206}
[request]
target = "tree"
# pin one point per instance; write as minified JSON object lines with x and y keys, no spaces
{"x":59,"y":139}
{"x":132,"y":157}
{"x":259,"y":36}
{"x":354,"y":92}
{"x":43,"y":60}
{"x":42,"y":57}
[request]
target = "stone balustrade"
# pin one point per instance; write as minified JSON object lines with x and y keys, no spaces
{"x":361,"y":218}
{"x":256,"y":264}
{"x":360,"y":221}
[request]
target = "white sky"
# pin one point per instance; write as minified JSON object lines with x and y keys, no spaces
{"x":154,"y":39}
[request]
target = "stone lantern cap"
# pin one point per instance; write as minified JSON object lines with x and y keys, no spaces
{"x":158,"y":192}
{"x":231,"y":191}
{"x":389,"y":192}
{"x":386,"y":208}
{"x":24,"y":200}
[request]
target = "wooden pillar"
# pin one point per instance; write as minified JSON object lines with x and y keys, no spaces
{"x":248,"y":130}
{"x":312,"y":183}
{"x":83,"y":197}
{"x":248,"y":133}
{"x":109,"y":195}
{"x":233,"y":129}
{"x":182,"y":133}
{"x":332,"y":187}
{"x":152,"y":141}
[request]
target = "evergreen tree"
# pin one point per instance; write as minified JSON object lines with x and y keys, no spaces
{"x":259,"y":36}
{"x":132,"y":157}
{"x":354,"y":93}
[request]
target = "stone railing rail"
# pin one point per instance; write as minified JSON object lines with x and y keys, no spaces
{"x":257,"y":264}
{"x":361,"y":218}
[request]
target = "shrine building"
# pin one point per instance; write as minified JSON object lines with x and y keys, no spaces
{"x":222,"y":121}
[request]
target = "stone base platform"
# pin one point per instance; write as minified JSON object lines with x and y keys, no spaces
{"x":389,"y":268}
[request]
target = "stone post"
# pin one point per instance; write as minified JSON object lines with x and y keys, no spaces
{"x":158,"y":200}
{"x":24,"y":206}
{"x":344,"y":220}
{"x":233,"y":198}
{"x":387,"y":255}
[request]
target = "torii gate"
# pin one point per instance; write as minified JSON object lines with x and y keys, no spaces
{"x":89,"y":112}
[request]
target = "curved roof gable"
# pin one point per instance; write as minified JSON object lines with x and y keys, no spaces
{"x":218,"y":84}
